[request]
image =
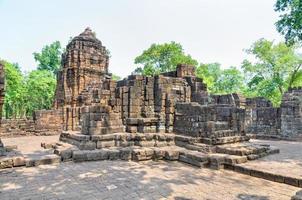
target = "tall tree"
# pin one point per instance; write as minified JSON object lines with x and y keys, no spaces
{"x":50,"y":57}
{"x":40,"y":88}
{"x":290,"y":22}
{"x":277,"y":67}
{"x":162,"y":58}
{"x":14,"y":91}
{"x":220,"y":81}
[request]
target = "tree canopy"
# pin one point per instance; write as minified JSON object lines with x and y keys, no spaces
{"x":277,"y":67}
{"x":162,"y":58}
{"x":50,"y":57}
{"x":220,"y":81}
{"x":25,"y":93}
{"x":290,"y":22}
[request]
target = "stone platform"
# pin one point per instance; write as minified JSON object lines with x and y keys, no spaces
{"x":160,"y":146}
{"x":238,"y":156}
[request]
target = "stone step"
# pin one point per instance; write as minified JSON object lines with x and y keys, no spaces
{"x":294,"y":181}
{"x":225,"y":133}
{"x":30,"y":161}
{"x":42,"y":160}
{"x":194,"y":158}
{"x":252,"y":151}
{"x":106,"y":130}
{"x":225,"y":140}
{"x":134,"y":153}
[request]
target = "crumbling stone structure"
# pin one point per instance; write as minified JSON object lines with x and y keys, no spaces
{"x":85,"y":61}
{"x":291,"y":113}
{"x":261,"y":117}
{"x":219,"y":121}
{"x":167,"y":116}
{"x":44,"y":122}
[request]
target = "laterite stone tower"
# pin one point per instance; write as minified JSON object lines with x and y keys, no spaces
{"x":84,"y":62}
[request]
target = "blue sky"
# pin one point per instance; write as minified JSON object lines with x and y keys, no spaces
{"x":209,"y":30}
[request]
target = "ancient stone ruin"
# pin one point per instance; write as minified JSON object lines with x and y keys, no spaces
{"x":291,"y":113}
{"x":168,"y":116}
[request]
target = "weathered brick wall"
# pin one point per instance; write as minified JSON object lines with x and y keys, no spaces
{"x":261,"y":117}
{"x":140,"y":103}
{"x":44,"y":122}
{"x":291,"y":113}
{"x":49,"y":120}
{"x":220,"y":116}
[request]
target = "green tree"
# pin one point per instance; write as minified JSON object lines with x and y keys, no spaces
{"x":277,"y":67}
{"x":229,"y":81}
{"x":40,"y":90}
{"x":290,"y":22}
{"x":14,"y":91}
{"x":50,"y":57}
{"x":220,"y":81}
{"x":209,"y":73}
{"x":116,"y":77}
{"x":162,"y":58}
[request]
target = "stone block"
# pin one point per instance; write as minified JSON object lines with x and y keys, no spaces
{"x":18,"y":161}
{"x":126,"y":153}
{"x":278,"y":178}
{"x":114,"y":154}
{"x":79,"y":156}
{"x":94,"y":155}
{"x":87,"y":145}
{"x":42,"y":160}
{"x":188,"y":160}
{"x":171,"y":154}
{"x":6,"y":163}
{"x":159,"y":154}
{"x":105,"y":144}
{"x":146,"y":143}
{"x":242,"y":170}
{"x":291,"y":181}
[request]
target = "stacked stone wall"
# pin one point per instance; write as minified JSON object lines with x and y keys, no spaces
{"x":261,"y":117}
{"x":211,"y":120}
{"x":44,"y":122}
{"x":291,"y":113}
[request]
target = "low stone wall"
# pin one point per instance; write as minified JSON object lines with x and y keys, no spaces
{"x":212,"y":121}
{"x":44,"y":122}
{"x":261,"y":117}
{"x":291,"y":113}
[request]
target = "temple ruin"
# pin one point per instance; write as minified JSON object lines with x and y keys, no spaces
{"x":168,"y":116}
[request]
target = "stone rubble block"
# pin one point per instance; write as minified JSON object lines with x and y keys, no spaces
{"x":171,"y":154}
{"x":42,"y":160}
{"x":6,"y":162}
{"x":126,"y":153}
{"x":18,"y":161}
{"x":297,"y":196}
